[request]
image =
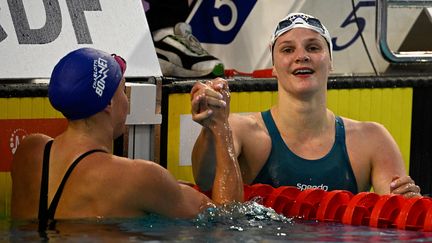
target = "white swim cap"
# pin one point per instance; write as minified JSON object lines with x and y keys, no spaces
{"x":301,"y":20}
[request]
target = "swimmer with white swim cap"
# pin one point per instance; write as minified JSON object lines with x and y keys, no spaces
{"x":299,"y":141}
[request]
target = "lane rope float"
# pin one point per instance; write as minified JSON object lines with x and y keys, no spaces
{"x":364,"y":208}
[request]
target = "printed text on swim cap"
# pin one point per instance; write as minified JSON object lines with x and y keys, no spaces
{"x":100,"y":70}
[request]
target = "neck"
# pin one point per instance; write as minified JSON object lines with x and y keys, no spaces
{"x":303,"y":118}
{"x":91,"y":132}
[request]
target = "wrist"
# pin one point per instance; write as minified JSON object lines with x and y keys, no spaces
{"x":219,"y":127}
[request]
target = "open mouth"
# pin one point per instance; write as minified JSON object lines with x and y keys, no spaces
{"x":303,"y":71}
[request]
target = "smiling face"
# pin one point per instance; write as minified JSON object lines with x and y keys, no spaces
{"x":301,"y":62}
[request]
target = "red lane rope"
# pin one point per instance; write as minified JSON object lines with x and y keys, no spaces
{"x":364,"y":208}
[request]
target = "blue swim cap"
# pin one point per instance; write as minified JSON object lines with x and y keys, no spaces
{"x":84,"y":81}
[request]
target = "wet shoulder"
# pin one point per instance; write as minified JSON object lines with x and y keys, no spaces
{"x":121,"y":175}
{"x":35,"y":140}
{"x":142,"y":175}
{"x":365,"y":133}
{"x":137,"y":168}
{"x":247,"y":122}
{"x":368,"y":128}
{"x":30,"y":148}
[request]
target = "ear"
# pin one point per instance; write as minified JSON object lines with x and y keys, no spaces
{"x":274,"y":71}
{"x":108,"y":108}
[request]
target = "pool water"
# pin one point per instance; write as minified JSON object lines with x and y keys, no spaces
{"x":249,"y":222}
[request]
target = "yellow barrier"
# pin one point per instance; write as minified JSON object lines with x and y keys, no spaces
{"x":391,"y":107}
{"x":5,"y":194}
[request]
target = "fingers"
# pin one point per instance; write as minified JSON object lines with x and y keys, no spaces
{"x":197,"y":104}
{"x":399,"y":181}
{"x":221,"y":85}
{"x":200,"y":89}
{"x":405,"y":186}
{"x":202,"y":116}
{"x":203,"y":101}
{"x":209,"y":95}
{"x":200,"y":112}
{"x":408,"y":190}
{"x":218,"y":84}
{"x":197,"y":86}
{"x":210,"y":101}
{"x":202,"y":107}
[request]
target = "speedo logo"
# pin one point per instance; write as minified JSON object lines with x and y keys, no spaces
{"x":100,"y":70}
{"x":304,"y":187}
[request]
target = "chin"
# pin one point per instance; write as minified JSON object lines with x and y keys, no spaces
{"x":119,"y":131}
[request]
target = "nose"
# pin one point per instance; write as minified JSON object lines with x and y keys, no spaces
{"x":302,"y":56}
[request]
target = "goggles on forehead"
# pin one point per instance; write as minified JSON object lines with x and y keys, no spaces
{"x":121,"y":61}
{"x":300,"y":20}
{"x":286,"y":23}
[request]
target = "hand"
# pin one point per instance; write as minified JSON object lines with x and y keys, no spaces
{"x":209,"y":99}
{"x":404,"y":186}
{"x":221,"y":85}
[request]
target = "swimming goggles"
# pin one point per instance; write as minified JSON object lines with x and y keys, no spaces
{"x":121,"y":61}
{"x":286,"y":23}
{"x":300,"y":20}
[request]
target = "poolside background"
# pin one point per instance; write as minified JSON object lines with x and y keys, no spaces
{"x":399,"y":103}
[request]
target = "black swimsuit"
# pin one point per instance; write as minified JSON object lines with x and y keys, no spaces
{"x":47,"y":214}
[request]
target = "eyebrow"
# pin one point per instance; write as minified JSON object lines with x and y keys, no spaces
{"x":309,"y":40}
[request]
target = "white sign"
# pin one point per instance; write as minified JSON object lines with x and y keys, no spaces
{"x":35,"y":34}
{"x":238,"y":32}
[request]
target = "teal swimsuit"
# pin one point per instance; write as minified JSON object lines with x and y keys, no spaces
{"x":284,"y":168}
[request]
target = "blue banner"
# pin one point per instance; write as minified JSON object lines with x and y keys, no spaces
{"x":219,"y":21}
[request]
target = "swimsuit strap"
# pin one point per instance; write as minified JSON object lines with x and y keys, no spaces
{"x":43,"y":197}
{"x":53,"y":206}
{"x":45,"y":213}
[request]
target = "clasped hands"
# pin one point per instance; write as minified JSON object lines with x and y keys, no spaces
{"x":210,"y":102}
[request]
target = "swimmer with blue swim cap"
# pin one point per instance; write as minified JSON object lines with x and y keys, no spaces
{"x":76,"y":175}
{"x":84,"y":81}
